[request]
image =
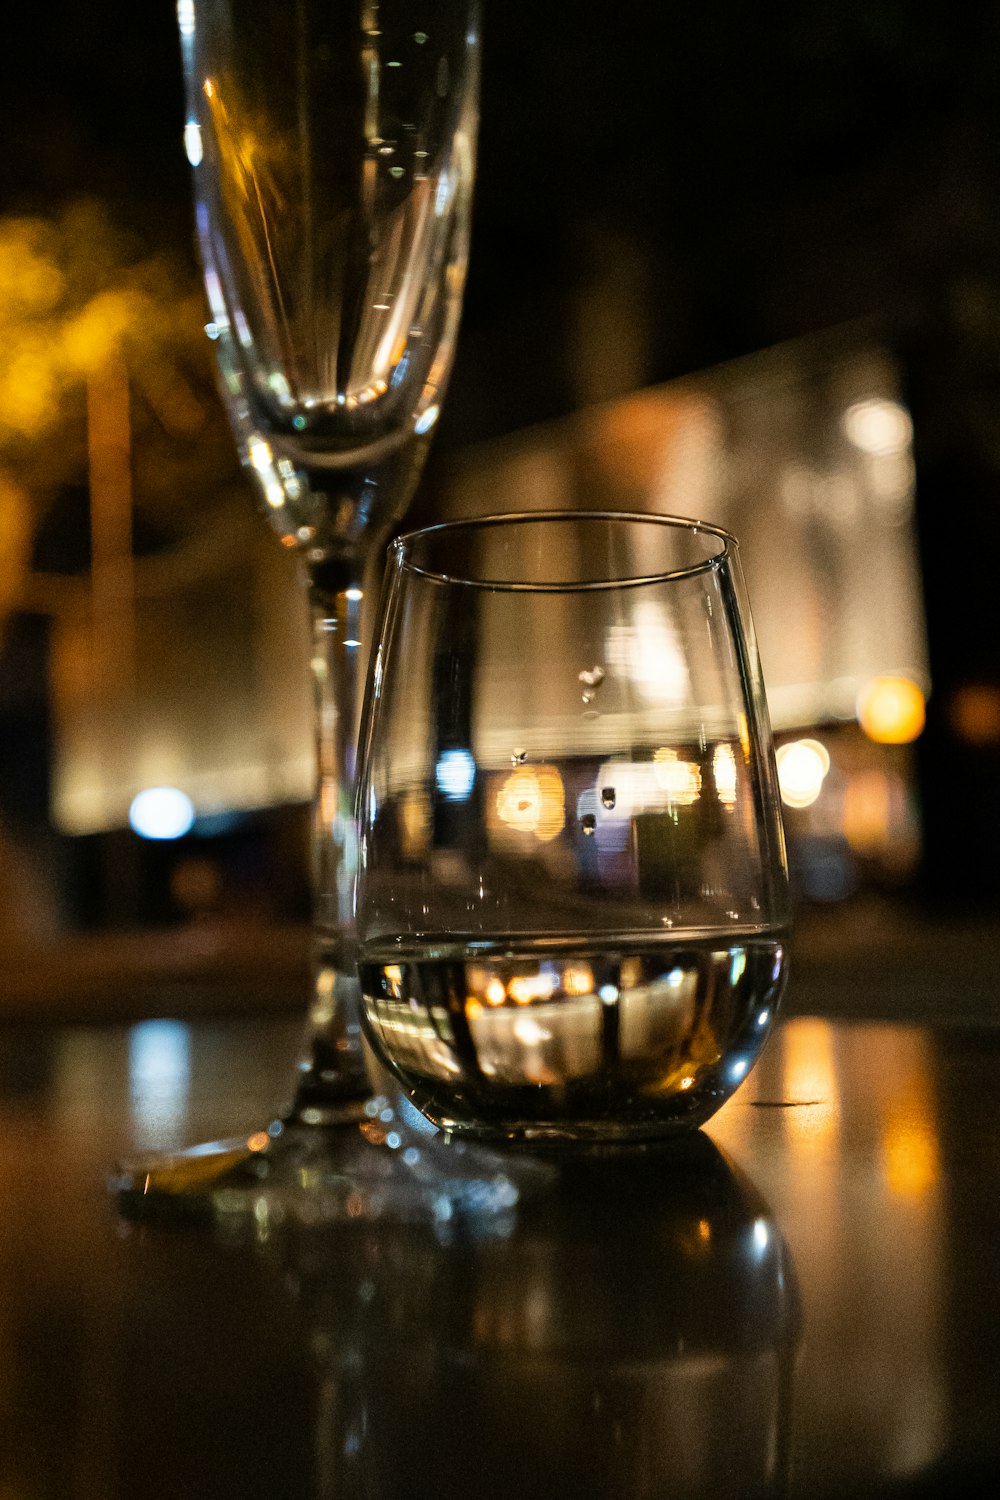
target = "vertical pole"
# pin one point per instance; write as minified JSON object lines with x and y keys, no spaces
{"x":112,"y":574}
{"x":112,"y":579}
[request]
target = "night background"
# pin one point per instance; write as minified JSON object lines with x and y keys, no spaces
{"x":804,"y":1304}
{"x":683,"y":185}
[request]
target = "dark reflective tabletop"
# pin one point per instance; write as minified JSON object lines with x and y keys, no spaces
{"x":800,"y":1301}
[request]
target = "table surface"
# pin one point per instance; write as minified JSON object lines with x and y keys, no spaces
{"x":804,"y":1301}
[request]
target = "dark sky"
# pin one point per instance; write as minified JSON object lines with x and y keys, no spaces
{"x":776,"y":169}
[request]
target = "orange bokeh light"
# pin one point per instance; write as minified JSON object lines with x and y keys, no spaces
{"x":891,"y":710}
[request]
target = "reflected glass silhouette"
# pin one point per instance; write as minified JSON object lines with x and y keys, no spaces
{"x":632,"y":1334}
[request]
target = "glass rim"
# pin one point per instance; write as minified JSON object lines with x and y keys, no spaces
{"x":401,"y":548}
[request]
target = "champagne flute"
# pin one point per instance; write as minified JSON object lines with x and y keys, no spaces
{"x":332,"y":143}
{"x":573,"y":895}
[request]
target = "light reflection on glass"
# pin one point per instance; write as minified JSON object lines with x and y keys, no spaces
{"x":680,"y":779}
{"x":647,"y":653}
{"x":159,"y":1072}
{"x":456,"y":774}
{"x":532,"y":800}
{"x":724,"y":774}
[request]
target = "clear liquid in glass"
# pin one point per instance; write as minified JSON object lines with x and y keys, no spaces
{"x":561,"y":1039}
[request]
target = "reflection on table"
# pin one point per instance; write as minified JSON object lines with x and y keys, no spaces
{"x":799,"y":1303}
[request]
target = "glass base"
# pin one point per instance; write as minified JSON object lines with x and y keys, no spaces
{"x":370,"y":1167}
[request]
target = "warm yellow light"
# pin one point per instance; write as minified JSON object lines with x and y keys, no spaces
{"x":680,"y":779}
{"x":810,"y":1077}
{"x":891,"y":710}
{"x":802,"y":768}
{"x":686,"y":1082}
{"x":415,"y":823}
{"x":878,"y":426}
{"x":578,"y":981}
{"x":528,"y":987}
{"x":529,"y":1033}
{"x":911,"y":1157}
{"x":496,"y":993}
{"x":867,"y":810}
{"x":532,"y":800}
{"x":259,"y":1141}
{"x":724,"y":774}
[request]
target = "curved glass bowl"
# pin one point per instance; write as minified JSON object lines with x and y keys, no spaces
{"x":572,"y":900}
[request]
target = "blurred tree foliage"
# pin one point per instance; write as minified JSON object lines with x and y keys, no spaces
{"x":77,"y":292}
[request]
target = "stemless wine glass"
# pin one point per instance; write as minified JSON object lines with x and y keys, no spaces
{"x":572,"y":895}
{"x":332,"y":143}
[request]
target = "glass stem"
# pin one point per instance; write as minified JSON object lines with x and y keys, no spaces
{"x":333,"y":1077}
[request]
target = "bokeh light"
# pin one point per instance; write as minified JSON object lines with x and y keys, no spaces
{"x":891,"y":710}
{"x":161,"y":812}
{"x":878,"y":427}
{"x":456,"y":774}
{"x":802,"y":768}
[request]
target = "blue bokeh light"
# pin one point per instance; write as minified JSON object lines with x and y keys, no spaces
{"x":456,"y":774}
{"x":161,"y":812}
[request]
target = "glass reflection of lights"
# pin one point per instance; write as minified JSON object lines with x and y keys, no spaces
{"x":426,"y":420}
{"x":724,"y":774}
{"x":878,"y":427}
{"x":525,"y":988}
{"x":159,"y":1070}
{"x":192,"y":142}
{"x":530,"y":1033}
{"x":891,"y":710}
{"x":680,"y":779}
{"x":802,"y":769}
{"x":646,"y":652}
{"x":625,"y":789}
{"x":533,"y":800}
{"x":456,"y":774}
{"x":578,"y":981}
{"x":260,"y":455}
{"x":161,"y":812}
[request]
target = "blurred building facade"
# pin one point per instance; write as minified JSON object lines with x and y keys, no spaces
{"x":185,"y":666}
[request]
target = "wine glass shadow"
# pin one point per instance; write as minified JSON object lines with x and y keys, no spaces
{"x":632,"y":1332}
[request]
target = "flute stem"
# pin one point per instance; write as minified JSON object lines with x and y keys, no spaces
{"x":333,"y":1078}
